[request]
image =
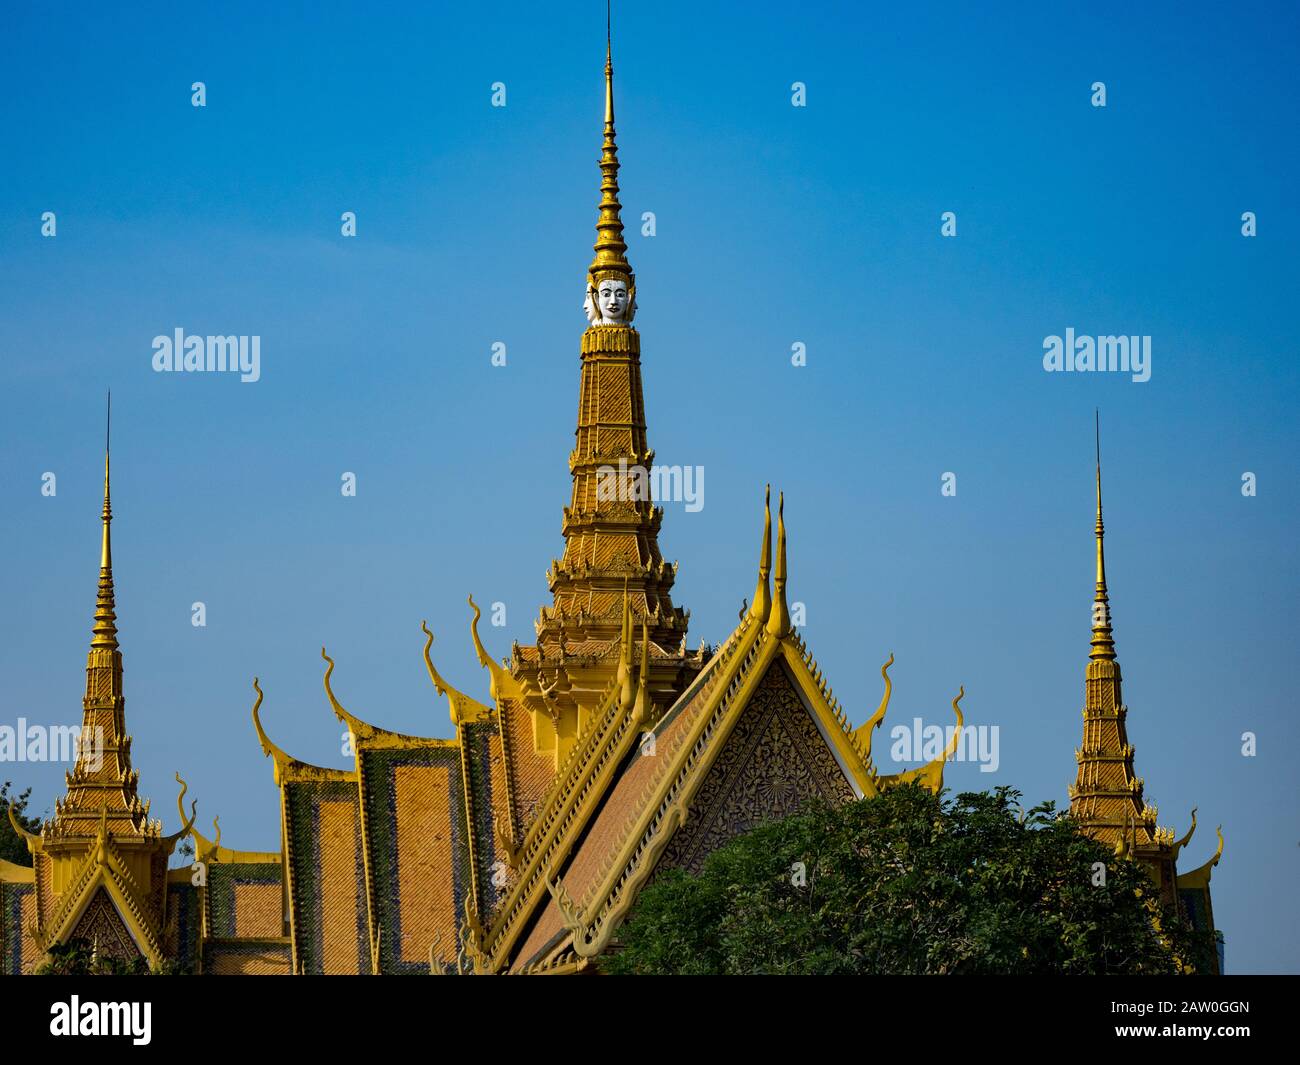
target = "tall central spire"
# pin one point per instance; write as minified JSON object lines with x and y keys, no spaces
{"x":1106,"y":799}
{"x":102,"y":784}
{"x":611,"y":526}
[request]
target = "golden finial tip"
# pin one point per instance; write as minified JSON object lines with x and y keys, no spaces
{"x":762,"y":595}
{"x":778,"y":622}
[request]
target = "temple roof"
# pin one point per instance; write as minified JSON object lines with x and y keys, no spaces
{"x":632,"y":777}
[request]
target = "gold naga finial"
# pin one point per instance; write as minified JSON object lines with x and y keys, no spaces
{"x":778,"y":622}
{"x":462,"y":708}
{"x":931,"y":775}
{"x":627,"y":693}
{"x":105,"y":628}
{"x":269,"y":749}
{"x":1103,"y":646}
{"x":502,"y":684}
{"x":762,"y":605}
{"x":1218,"y":853}
{"x":643,"y":707}
{"x":864,"y":731}
{"x":951,"y":748}
{"x":187,"y":823}
{"x":439,"y":684}
{"x":32,"y":839}
{"x":1177,"y":847}
{"x":356,"y":726}
{"x":610,"y":261}
{"x":262,"y":737}
{"x":483,"y":657}
{"x":1126,"y":844}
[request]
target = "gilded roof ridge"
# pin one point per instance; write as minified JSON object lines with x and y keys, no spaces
{"x":631,"y":855}
{"x":554,"y":824}
{"x":695,"y":745}
{"x":570,"y":807}
{"x":863,"y":751}
{"x":578,"y":758}
{"x":722,"y":685}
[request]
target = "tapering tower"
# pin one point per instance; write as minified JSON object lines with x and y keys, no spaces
{"x":611,"y":526}
{"x":1107,"y":797}
{"x":100,"y":863}
{"x":102,"y":779}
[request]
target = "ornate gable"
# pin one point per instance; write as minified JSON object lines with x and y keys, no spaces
{"x":774,"y":761}
{"x":756,"y":736}
{"x":102,"y":926}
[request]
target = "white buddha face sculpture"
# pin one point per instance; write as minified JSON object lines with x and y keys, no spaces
{"x":612,"y":298}
{"x":609,"y":302}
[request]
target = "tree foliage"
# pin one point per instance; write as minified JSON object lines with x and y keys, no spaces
{"x":908,"y":883}
{"x":79,"y":958}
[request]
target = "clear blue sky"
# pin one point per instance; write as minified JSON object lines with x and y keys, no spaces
{"x":776,"y":225}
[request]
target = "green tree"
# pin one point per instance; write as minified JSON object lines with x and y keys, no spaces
{"x":79,"y":958}
{"x":908,"y":882}
{"x":12,"y":846}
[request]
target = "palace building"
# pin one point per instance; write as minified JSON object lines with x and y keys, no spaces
{"x":606,"y":751}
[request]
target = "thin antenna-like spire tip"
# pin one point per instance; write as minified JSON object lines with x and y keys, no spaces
{"x":1103,"y":645}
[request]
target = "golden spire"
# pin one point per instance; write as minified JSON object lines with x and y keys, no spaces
{"x":105,"y":630}
{"x":1102,"y":644}
{"x":611,"y":526}
{"x":611,"y":249}
{"x":762,"y":595}
{"x":778,"y":622}
{"x":102,"y":784}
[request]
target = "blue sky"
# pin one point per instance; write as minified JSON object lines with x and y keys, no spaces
{"x":775,"y":225}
